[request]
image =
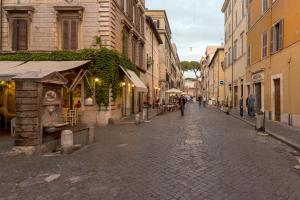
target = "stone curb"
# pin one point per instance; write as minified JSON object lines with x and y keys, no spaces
{"x":272,"y":134}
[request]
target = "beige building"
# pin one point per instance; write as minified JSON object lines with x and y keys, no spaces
{"x":153,"y":42}
{"x":73,"y":25}
{"x":169,"y":60}
{"x":191,"y":87}
{"x":205,"y":62}
{"x":216,"y":75}
{"x":235,"y":26}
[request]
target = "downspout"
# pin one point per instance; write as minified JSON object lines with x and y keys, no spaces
{"x":232,"y":54}
{"x":152,"y":64}
{"x":1,"y":25}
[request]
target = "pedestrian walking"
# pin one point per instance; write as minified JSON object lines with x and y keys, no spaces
{"x":200,"y":101}
{"x":251,"y":105}
{"x":182,"y":102}
{"x":204,"y":102}
{"x":247,"y":105}
{"x":241,"y":106}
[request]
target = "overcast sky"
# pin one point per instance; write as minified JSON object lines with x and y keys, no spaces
{"x":194,"y":23}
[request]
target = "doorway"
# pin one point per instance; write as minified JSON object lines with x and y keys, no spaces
{"x":277,"y":99}
{"x":236,"y":98}
{"x":257,"y":90}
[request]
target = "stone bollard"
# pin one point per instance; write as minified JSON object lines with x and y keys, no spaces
{"x":92,"y":134}
{"x":67,"y":141}
{"x":137,"y":119}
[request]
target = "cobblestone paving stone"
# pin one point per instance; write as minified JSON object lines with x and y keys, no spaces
{"x":203,"y":155}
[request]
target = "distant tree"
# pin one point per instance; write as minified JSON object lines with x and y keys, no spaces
{"x":193,"y":66}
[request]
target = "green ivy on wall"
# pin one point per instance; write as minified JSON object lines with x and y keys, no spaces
{"x":104,"y":65}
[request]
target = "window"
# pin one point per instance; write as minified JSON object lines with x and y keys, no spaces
{"x":19,"y":18}
{"x":157,"y":22}
{"x":229,"y":56}
{"x":125,"y":41}
{"x":264,"y":44}
{"x":70,"y":34}
{"x":265,"y":5}
{"x":234,"y":50}
{"x":19,"y":34}
{"x":249,"y":19}
{"x":69,"y":21}
{"x":134,"y":50}
{"x":277,"y":37}
{"x":236,"y":18}
{"x":249,"y":56}
{"x":243,"y":8}
{"x":242,"y":43}
{"x":141,"y":56}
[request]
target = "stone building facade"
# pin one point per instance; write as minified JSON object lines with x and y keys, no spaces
{"x":153,"y":42}
{"x":169,"y":60}
{"x":32,"y":25}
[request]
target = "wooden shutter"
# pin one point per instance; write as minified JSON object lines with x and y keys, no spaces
{"x":74,"y":34}
{"x":280,"y":35}
{"x":65,"y":35}
{"x":23,"y":40}
{"x":15,"y":36}
{"x":20,"y":35}
{"x":272,"y":40}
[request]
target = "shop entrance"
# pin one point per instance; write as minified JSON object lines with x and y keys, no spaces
{"x":7,"y":108}
{"x":277,"y":100}
{"x":257,"y":93}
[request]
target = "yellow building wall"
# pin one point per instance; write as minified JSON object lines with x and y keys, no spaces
{"x":284,"y":64}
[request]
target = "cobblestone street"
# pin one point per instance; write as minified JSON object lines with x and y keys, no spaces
{"x":203,"y":155}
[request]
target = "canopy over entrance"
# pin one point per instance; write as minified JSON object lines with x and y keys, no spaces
{"x":11,"y":69}
{"x":136,"y":81}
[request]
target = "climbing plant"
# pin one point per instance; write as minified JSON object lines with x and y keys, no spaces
{"x":104,"y":65}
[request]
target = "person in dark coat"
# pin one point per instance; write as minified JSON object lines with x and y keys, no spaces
{"x":182,"y":102}
{"x":241,"y":106}
{"x":247,"y":105}
{"x":200,"y":100}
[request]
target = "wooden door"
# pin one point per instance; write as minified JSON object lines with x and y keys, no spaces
{"x":277,"y":100}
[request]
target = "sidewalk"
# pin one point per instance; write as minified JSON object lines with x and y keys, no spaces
{"x":131,"y":119}
{"x":287,"y":134}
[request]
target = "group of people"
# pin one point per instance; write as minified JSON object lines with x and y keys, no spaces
{"x":202,"y":101}
{"x":250,"y":103}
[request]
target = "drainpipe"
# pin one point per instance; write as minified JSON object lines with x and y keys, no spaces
{"x":1,"y":24}
{"x":152,"y":64}
{"x":232,"y":54}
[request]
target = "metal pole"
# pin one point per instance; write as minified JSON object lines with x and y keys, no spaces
{"x":232,"y":54}
{"x":1,"y":25}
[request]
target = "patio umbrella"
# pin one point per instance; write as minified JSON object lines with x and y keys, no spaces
{"x":174,"y":90}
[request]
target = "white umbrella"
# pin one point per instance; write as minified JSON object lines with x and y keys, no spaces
{"x":174,"y":90}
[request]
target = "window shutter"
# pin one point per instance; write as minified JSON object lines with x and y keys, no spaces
{"x":15,"y":36}
{"x":280,"y":35}
{"x":272,"y":40}
{"x":22,"y":35}
{"x":65,"y":34}
{"x":74,"y":35}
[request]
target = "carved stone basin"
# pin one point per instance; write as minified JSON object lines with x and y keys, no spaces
{"x":55,"y":127}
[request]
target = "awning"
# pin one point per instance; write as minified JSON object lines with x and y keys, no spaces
{"x":43,"y":67}
{"x":136,"y":81}
{"x":5,"y":66}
